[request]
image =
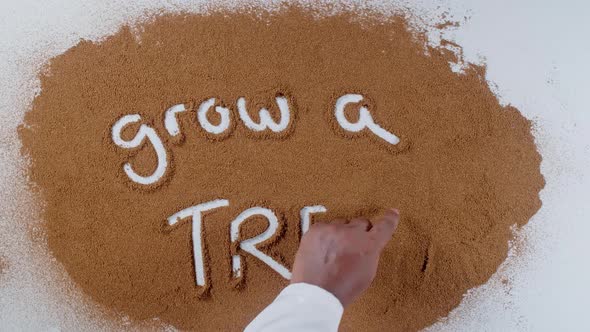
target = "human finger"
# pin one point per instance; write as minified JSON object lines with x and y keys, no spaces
{"x":385,"y":226}
{"x":360,"y":222}
{"x":339,"y":221}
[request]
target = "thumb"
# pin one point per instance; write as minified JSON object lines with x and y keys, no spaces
{"x":385,"y":226}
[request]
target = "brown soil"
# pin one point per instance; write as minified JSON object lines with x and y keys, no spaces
{"x":467,"y":171}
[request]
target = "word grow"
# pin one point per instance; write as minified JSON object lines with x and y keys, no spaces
{"x":266,"y":122}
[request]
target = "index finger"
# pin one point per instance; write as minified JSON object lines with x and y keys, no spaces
{"x":385,"y":226}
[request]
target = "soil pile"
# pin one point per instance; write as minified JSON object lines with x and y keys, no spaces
{"x":466,"y":170}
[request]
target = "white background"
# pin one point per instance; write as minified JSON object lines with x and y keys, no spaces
{"x":537,"y":54}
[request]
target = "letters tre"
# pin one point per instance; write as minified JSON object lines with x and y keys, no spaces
{"x":248,"y":246}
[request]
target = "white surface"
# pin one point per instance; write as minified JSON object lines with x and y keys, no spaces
{"x":365,"y":120}
{"x":537,"y":55}
{"x":249,"y":245}
{"x":195,"y":212}
{"x":170,"y":120}
{"x":144,"y":132}
{"x":266,"y":121}
{"x":204,"y":121}
{"x":305,"y":216}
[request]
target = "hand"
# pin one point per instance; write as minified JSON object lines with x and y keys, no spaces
{"x":341,"y":257}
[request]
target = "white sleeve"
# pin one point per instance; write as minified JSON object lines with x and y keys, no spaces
{"x":300,"y":307}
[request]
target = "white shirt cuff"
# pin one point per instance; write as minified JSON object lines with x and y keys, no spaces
{"x":314,"y":295}
{"x":300,"y":307}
